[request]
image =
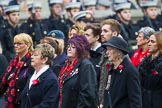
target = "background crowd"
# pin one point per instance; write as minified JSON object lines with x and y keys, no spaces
{"x":71,"y":59}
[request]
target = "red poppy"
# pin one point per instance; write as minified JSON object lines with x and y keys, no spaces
{"x":35,"y":82}
{"x":28,"y":55}
{"x":9,"y":68}
{"x":4,"y":81}
{"x":13,"y":92}
{"x":12,"y":82}
{"x":154,"y":72}
{"x":9,"y":99}
{"x":11,"y":106}
{"x":120,"y":67}
{"x":108,"y":66}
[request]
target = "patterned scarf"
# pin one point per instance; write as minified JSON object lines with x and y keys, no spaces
{"x":65,"y":71}
{"x":10,"y":77}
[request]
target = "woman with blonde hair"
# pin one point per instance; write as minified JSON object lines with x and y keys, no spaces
{"x":75,"y":29}
{"x":18,"y":71}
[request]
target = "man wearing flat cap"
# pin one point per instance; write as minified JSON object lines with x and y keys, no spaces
{"x":10,"y":30}
{"x":35,"y":26}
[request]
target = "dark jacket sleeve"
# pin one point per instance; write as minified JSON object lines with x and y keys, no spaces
{"x":3,"y":64}
{"x":88,"y":86}
{"x":134,"y":89}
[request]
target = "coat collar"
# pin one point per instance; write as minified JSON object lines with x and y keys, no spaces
{"x":41,"y":77}
{"x":75,"y":71}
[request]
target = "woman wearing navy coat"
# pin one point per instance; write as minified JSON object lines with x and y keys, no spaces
{"x":77,"y":79}
{"x":123,"y":88}
{"x":42,"y":90}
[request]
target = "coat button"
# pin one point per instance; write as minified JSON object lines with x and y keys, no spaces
{"x":18,"y":90}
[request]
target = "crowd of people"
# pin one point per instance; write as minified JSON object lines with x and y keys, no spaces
{"x":74,"y":61}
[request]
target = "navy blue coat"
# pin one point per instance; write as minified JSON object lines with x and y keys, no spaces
{"x":43,"y":95}
{"x":125,"y":88}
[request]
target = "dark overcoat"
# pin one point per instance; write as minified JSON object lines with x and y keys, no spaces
{"x":125,"y":88}
{"x":80,"y":87}
{"x":43,"y":95}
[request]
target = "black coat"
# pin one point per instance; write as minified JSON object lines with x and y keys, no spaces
{"x":151,"y":81}
{"x":95,"y":57}
{"x":36,"y":29}
{"x":7,"y":35}
{"x":156,"y":24}
{"x":43,"y":95}
{"x":125,"y":88}
{"x":80,"y":87}
{"x":3,"y":64}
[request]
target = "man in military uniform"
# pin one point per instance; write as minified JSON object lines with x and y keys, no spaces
{"x":128,"y":29}
{"x":71,"y":9}
{"x":104,"y":4}
{"x":57,"y":19}
{"x":10,"y":30}
{"x":90,"y":5}
{"x":150,"y":15}
{"x":82,"y":18}
{"x":35,"y":26}
{"x":3,"y":5}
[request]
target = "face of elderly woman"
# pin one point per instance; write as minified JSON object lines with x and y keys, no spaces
{"x":36,"y":59}
{"x":71,"y":52}
{"x":112,"y":53}
{"x":152,"y":45}
{"x":20,"y":47}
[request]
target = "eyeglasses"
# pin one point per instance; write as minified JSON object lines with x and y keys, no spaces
{"x":18,"y":43}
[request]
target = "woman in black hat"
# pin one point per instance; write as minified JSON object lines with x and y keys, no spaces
{"x":123,"y":85}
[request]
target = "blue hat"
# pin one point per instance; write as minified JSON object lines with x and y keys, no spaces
{"x":56,"y":34}
{"x":118,"y":43}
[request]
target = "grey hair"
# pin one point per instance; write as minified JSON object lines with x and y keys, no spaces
{"x":147,"y":31}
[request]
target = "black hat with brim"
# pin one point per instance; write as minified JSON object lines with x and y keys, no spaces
{"x":118,"y":43}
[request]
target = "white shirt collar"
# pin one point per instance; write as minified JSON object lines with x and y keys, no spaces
{"x":99,"y":45}
{"x":36,"y":75}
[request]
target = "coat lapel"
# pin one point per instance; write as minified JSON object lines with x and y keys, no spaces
{"x":74,"y":72}
{"x":41,"y":78}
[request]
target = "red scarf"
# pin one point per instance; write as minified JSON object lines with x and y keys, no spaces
{"x":10,"y":77}
{"x":65,"y":71}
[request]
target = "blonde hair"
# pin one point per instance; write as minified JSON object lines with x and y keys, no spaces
{"x":61,"y":46}
{"x":78,"y":28}
{"x":46,"y":51}
{"x":26,"y":39}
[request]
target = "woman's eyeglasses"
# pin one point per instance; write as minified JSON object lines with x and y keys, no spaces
{"x":18,"y":43}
